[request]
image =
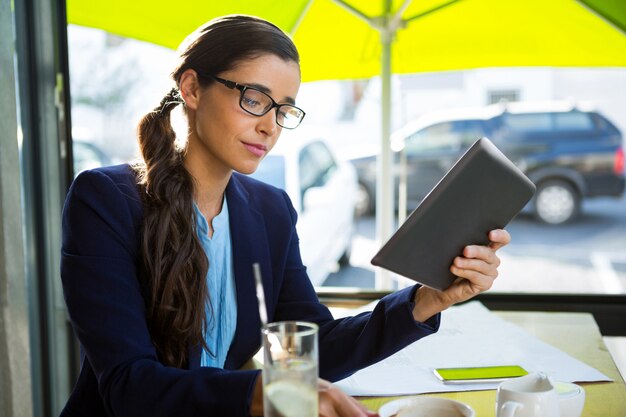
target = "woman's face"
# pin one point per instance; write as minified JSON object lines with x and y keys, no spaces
{"x":222,"y":136}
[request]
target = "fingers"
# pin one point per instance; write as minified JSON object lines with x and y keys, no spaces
{"x":477,"y":282}
{"x":479,"y":265}
{"x":499,"y":238}
{"x":463,"y":266}
{"x":477,"y":268}
{"x":481,"y":259}
{"x":483,"y":253}
{"x":335,"y":403}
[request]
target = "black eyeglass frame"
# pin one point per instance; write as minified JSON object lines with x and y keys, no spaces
{"x":242,"y":89}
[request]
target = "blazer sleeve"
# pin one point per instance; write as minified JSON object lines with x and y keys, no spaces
{"x":106,"y":308}
{"x":348,"y":344}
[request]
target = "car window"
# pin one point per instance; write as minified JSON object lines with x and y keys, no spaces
{"x":325,"y":159}
{"x":441,"y":137}
{"x":530,"y":122}
{"x":573,"y":120}
{"x":272,"y":171}
{"x":603,"y":124}
{"x":316,"y":165}
{"x":308,"y":169}
{"x":471,"y":131}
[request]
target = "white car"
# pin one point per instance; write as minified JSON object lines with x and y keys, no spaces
{"x":323,"y":190}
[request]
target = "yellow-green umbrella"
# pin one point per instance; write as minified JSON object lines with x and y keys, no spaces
{"x":336,"y":44}
{"x":363,"y":38}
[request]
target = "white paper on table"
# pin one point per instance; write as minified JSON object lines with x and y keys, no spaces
{"x":470,"y":335}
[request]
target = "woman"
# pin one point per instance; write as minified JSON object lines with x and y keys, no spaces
{"x":157,"y":257}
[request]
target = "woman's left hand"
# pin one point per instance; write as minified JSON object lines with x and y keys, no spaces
{"x":476,"y":270}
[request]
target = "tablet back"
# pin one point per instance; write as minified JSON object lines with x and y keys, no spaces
{"x":482,"y":191}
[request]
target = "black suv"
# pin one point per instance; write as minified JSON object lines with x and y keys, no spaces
{"x":569,"y":153}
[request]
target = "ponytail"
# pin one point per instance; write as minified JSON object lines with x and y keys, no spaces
{"x":173,"y":264}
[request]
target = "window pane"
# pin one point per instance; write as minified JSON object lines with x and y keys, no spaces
{"x":538,"y":122}
{"x":324,"y":160}
{"x":470,"y":131}
{"x":575,"y":121}
{"x":436,"y":138}
{"x":309,"y":170}
{"x":502,"y":96}
{"x":115,"y":81}
{"x":574,"y":156}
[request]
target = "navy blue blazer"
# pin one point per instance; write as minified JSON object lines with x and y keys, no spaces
{"x":120,"y":373}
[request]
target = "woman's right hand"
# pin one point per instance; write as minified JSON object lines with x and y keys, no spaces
{"x":336,"y":403}
{"x":332,"y":402}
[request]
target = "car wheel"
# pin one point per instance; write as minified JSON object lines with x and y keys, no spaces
{"x":556,"y":202}
{"x":364,"y":201}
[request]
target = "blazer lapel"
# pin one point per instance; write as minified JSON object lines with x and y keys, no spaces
{"x":249,"y":245}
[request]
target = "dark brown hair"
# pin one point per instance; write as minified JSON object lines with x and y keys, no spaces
{"x":173,"y":264}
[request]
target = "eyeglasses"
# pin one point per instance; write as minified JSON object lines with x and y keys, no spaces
{"x":258,"y":103}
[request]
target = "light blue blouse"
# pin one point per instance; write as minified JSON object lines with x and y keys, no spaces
{"x":222,"y":311}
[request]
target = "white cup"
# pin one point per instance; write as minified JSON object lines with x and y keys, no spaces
{"x":426,"y":407}
{"x":571,"y":398}
{"x":533,"y":395}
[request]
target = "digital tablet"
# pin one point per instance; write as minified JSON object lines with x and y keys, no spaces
{"x":483,"y":191}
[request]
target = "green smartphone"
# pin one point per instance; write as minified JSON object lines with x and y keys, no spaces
{"x":479,"y":374}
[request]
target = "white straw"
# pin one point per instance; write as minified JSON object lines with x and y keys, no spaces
{"x":260,"y":293}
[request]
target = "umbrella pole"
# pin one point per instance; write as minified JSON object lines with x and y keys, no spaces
{"x":384,"y":179}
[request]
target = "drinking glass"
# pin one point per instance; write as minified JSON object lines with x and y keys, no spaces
{"x":290,"y":369}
